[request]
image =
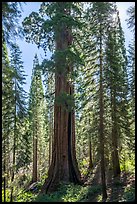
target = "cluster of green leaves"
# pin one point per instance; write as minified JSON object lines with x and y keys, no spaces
{"x":127,"y":162}
{"x":25,"y":196}
{"x":65,"y":100}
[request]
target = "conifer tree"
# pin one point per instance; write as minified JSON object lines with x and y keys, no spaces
{"x":131,"y":55}
{"x":131,"y":68}
{"x":99,"y":19}
{"x":36,"y":117}
{"x":11,"y":12}
{"x":7,"y":115}
{"x":119,"y":86}
{"x":19,"y":102}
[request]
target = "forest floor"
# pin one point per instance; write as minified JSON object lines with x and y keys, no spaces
{"x":120,"y":189}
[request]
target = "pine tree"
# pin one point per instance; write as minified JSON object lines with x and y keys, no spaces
{"x":19,"y":102}
{"x":99,"y":18}
{"x":11,"y":12}
{"x":113,"y":70}
{"x":7,"y":115}
{"x":131,"y":19}
{"x":36,"y":103}
{"x":131,"y":55}
{"x":49,"y":84}
{"x":118,"y":88}
{"x":131,"y":71}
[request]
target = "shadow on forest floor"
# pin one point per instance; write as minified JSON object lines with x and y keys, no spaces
{"x":118,"y":189}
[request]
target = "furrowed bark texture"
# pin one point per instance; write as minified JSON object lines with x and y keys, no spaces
{"x":63,"y":167}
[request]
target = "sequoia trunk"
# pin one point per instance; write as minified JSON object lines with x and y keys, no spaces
{"x":63,"y":165}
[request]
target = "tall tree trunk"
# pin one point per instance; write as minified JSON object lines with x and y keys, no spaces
{"x":63,"y":165}
{"x":115,"y":156}
{"x":49,"y":148}
{"x":101,"y":123}
{"x":13,"y":170}
{"x":14,"y":147}
{"x":50,"y":137}
{"x":34,"y":176}
{"x":90,"y":154}
{"x":4,"y":171}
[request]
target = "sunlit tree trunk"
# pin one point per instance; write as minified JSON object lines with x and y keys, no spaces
{"x":63,"y":165}
{"x":14,"y":147}
{"x":101,"y":123}
{"x":35,"y":141}
{"x":90,"y":153}
{"x":115,"y":155}
{"x":4,"y":171}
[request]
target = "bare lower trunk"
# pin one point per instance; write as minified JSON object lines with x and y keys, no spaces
{"x":90,"y":154}
{"x":13,"y":170}
{"x":49,"y":149}
{"x":63,"y":165}
{"x":34,"y":177}
{"x":115,"y":156}
{"x":4,"y":171}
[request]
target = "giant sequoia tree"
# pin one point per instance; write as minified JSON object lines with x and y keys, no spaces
{"x":63,"y":165}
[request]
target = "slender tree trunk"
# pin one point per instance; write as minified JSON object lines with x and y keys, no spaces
{"x":90,"y":154}
{"x":63,"y":165}
{"x":4,"y":171}
{"x":49,"y":149}
{"x":4,"y":183}
{"x":101,"y":123}
{"x":13,"y":170}
{"x":115,"y":156}
{"x":14,"y":148}
{"x":50,"y":138}
{"x":34,"y":177}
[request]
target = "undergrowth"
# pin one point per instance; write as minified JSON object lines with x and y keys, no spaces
{"x":74,"y":193}
{"x":69,"y":193}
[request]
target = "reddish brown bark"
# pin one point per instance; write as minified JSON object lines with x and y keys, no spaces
{"x":63,"y":165}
